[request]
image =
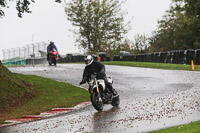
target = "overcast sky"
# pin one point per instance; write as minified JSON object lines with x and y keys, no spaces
{"x":48,"y":22}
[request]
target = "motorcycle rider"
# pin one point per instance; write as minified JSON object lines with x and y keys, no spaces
{"x":97,"y":68}
{"x":50,"y":47}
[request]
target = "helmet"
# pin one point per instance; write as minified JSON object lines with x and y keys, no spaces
{"x":88,"y":60}
{"x":51,"y":42}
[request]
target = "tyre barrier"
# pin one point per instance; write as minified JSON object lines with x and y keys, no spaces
{"x":176,"y":57}
{"x":80,"y":58}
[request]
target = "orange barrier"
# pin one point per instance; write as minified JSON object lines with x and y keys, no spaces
{"x":99,"y":58}
{"x":192,"y":65}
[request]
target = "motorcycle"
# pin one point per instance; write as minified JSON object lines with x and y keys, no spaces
{"x":53,"y":57}
{"x":100,"y":95}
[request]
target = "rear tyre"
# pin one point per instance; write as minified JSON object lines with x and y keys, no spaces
{"x":96,"y":101}
{"x":116,"y":101}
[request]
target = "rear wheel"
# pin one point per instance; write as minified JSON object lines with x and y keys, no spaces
{"x":116,"y":101}
{"x":96,"y":101}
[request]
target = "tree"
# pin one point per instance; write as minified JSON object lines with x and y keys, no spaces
{"x":140,"y":43}
{"x":192,"y":12}
{"x":2,"y":4}
{"x":22,"y":6}
{"x":124,"y":46}
{"x":179,"y":28}
{"x":100,"y":24}
{"x":168,"y":35}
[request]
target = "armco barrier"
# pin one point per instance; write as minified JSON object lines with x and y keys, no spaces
{"x":176,"y":57}
{"x":29,"y":61}
{"x":32,"y":61}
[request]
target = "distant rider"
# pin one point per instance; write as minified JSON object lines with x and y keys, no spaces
{"x":50,"y":48}
{"x":95,"y":67}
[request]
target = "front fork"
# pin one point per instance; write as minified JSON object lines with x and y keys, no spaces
{"x":96,"y":85}
{"x":98,"y":94}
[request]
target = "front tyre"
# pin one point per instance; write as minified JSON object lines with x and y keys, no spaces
{"x":50,"y":63}
{"x":50,"y":60}
{"x":55,"y":62}
{"x":96,"y":101}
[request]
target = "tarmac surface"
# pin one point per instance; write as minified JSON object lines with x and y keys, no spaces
{"x":151,"y":99}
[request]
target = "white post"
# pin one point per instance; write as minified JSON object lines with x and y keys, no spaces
{"x":19,"y":52}
{"x":14,"y":53}
{"x":3,"y":54}
{"x":33,"y":54}
{"x":38,"y":49}
{"x":24,"y":51}
{"x":28,"y":50}
{"x":9,"y":54}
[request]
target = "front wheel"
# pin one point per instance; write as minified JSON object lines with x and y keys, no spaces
{"x":50,"y":60}
{"x":96,"y":101}
{"x":55,"y":62}
{"x":50,"y":63}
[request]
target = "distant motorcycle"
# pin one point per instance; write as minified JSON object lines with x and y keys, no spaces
{"x":53,"y":57}
{"x":100,"y":95}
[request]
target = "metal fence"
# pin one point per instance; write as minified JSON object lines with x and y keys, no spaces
{"x":28,"y":51}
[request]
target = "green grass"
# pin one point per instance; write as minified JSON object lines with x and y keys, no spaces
{"x":193,"y":127}
{"x":12,"y":89}
{"x":153,"y":65}
{"x":48,"y":94}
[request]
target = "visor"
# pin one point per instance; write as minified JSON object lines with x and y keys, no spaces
{"x":87,"y":61}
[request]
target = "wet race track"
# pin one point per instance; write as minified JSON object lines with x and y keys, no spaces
{"x":151,"y":99}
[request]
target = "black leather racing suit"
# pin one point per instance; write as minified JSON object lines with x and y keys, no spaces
{"x":99,"y":69}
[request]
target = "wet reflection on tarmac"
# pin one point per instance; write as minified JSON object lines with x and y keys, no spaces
{"x":103,"y":121}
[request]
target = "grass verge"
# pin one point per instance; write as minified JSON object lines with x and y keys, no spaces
{"x":153,"y":65}
{"x":48,"y":94}
{"x":193,"y":127}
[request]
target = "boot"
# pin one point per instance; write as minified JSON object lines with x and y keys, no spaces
{"x":114,"y":92}
{"x":47,"y":57}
